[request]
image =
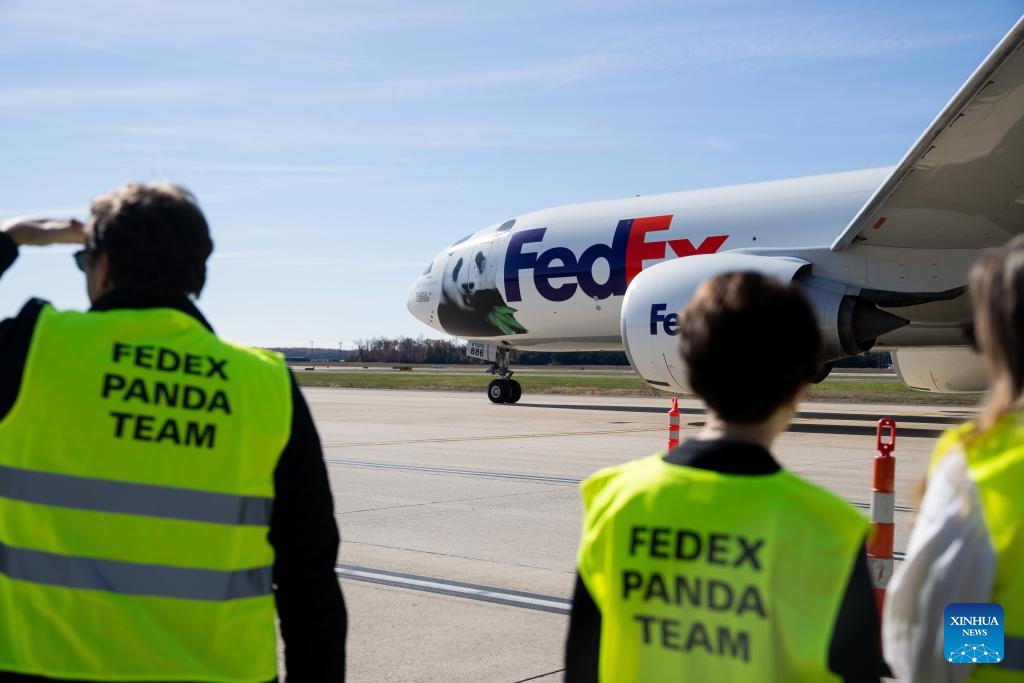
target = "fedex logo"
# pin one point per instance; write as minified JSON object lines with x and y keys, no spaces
{"x":666,"y":321}
{"x":625,"y":257}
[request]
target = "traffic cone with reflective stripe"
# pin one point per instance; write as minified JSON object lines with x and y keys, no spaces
{"x":673,"y":424}
{"x":883,"y":499}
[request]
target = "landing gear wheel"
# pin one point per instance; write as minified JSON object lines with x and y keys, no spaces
{"x":498,"y":391}
{"x":505,"y":389}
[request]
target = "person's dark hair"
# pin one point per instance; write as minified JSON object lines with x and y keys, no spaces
{"x":155,"y":237}
{"x":749,"y":344}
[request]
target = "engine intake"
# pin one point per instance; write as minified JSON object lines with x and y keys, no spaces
{"x":650,"y":308}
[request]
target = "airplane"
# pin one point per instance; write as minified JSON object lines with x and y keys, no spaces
{"x":882,"y":254}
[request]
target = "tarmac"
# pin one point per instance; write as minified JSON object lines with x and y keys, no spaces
{"x":460,"y":518}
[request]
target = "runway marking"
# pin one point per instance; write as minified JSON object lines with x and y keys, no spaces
{"x":798,"y":425}
{"x":459,"y":589}
{"x":530,"y":478}
{"x":896,"y":508}
{"x":444,"y":501}
{"x":952,"y":415}
{"x":472,"y":591}
{"x":491,"y":437}
{"x":540,"y":676}
{"x":542,"y":479}
{"x":503,"y":563}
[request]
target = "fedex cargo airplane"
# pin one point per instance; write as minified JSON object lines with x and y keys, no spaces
{"x":882,"y":254}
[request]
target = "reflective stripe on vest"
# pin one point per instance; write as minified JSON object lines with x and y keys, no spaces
{"x":133,"y":579}
{"x":713,"y":576}
{"x":136,"y":491}
{"x":104,"y":495}
{"x":995,"y":463}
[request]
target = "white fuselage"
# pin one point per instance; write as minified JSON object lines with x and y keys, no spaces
{"x":564,"y":270}
{"x":554,"y":279}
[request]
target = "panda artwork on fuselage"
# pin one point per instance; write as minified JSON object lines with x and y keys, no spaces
{"x":471,"y":305}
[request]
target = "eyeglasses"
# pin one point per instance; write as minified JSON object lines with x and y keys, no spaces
{"x":80,"y":257}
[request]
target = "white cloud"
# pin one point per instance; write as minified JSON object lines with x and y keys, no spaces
{"x":242,"y":255}
{"x":412,"y":266}
{"x":44,"y":211}
{"x":123,"y":27}
{"x":325,"y":134}
{"x":282,"y":169}
{"x":62,"y":97}
{"x":788,"y":37}
{"x":535,"y":78}
{"x":708,"y":143}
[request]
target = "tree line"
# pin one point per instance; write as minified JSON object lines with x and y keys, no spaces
{"x":409,"y":350}
{"x":448,"y":351}
{"x":406,"y":350}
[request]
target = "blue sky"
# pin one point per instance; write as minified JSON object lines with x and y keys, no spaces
{"x":337,"y":146}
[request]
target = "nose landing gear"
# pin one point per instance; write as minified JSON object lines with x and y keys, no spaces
{"x":505,"y":389}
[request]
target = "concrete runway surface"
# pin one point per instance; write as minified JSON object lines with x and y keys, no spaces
{"x":460,"y":518}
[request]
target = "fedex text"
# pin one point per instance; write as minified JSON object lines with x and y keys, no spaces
{"x":558,"y":272}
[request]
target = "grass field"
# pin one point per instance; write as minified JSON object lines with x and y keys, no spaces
{"x":624,"y":383}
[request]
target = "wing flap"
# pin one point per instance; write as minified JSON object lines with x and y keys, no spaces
{"x":961,"y":186}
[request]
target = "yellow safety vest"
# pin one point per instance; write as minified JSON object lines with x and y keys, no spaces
{"x":995,"y":463}
{"x":136,"y":483}
{"x":702,"y":576}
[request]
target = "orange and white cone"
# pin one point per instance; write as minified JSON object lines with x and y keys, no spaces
{"x":883,"y":500}
{"x":673,"y":424}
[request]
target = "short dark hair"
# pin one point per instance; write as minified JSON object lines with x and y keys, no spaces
{"x":749,"y":343}
{"x":155,"y":237}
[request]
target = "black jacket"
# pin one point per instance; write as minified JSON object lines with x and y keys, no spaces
{"x":856,"y":626}
{"x":302,"y":528}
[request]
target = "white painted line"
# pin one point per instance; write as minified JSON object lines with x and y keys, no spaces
{"x":455,"y":588}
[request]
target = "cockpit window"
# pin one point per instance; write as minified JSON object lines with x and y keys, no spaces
{"x":463,"y":239}
{"x":507,"y":225}
{"x":430,"y":266}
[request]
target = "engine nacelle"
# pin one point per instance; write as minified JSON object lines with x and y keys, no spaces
{"x":650,"y":309}
{"x":957,"y":370}
{"x":655,"y":296}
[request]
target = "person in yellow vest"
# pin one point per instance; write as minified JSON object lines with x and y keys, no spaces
{"x":712,"y":562}
{"x":967,"y":544}
{"x":160,"y":488}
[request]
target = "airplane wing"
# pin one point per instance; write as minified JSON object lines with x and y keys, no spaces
{"x":961,"y":186}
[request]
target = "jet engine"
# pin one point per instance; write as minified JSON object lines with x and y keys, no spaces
{"x":849,"y":324}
